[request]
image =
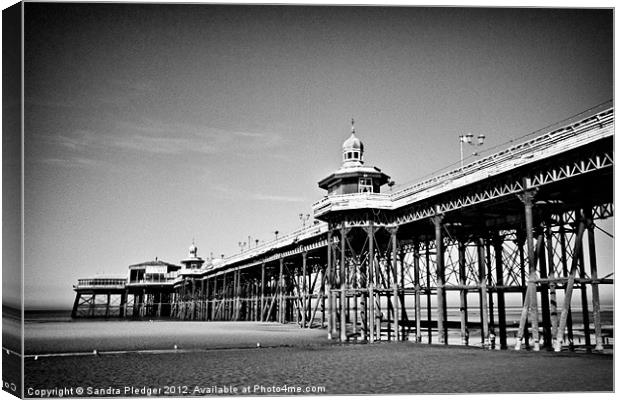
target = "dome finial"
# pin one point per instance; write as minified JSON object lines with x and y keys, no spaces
{"x":193,"y":249}
{"x":352,"y":149}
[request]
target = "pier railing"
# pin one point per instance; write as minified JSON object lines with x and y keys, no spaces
{"x":158,"y":279}
{"x":297,"y":235}
{"x":108,"y":283}
{"x":554,"y":142}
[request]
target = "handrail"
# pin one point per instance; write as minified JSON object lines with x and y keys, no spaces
{"x":603,"y":118}
{"x":560,"y":139}
{"x":263,"y":247}
{"x":101,"y":282}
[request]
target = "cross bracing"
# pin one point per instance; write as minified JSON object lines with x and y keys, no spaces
{"x":440,"y":261}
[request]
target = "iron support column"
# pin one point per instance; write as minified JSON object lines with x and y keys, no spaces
{"x":501,"y":304}
{"x":463,"y":294}
{"x":569,"y":317}
{"x":393,"y":232}
{"x":207,"y":302}
{"x":262,"y":291}
{"x":571,"y":281}
{"x":532,"y":300}
{"x":371,"y":282}
{"x":214,"y":305}
{"x":429,"y":328}
{"x":584,"y":298}
{"x":123,"y":306}
{"x":544,"y":291}
{"x":489,"y":278}
{"x":416,"y":277}
{"x":281,"y":292}
{"x":328,"y":285}
{"x":343,"y":284}
{"x":484,"y":310}
{"x":76,"y":303}
{"x":596,"y":303}
{"x":441,"y":307}
{"x":553,"y":305}
{"x":304,"y":289}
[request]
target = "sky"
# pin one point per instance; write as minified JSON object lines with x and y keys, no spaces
{"x":149,"y":126}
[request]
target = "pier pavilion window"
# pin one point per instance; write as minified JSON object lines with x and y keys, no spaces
{"x":352,"y":155}
{"x":136,"y":275}
{"x":365,"y":185}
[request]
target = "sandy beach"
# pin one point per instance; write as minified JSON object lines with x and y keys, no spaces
{"x":85,"y":336}
{"x":215,"y":355}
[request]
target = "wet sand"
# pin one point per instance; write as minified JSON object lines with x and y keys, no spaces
{"x":84,"y":336}
{"x":215,"y":355}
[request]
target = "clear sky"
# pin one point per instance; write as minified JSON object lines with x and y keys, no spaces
{"x":150,"y":125}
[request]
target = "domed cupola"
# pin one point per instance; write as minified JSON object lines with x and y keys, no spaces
{"x":353,"y":176}
{"x":193,"y":261}
{"x":352,"y":149}
{"x":193,"y":250}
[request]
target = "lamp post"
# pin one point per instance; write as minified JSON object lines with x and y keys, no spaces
{"x":469,"y":139}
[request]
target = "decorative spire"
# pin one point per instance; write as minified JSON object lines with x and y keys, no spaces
{"x":352,"y":125}
{"x":193,"y":250}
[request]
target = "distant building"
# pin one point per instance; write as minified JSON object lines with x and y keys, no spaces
{"x":152,"y":272}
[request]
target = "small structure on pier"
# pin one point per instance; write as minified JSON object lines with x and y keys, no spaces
{"x":151,"y":271}
{"x":193,"y":262}
{"x":353,"y":176}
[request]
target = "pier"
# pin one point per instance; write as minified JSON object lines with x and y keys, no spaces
{"x":514,"y":227}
